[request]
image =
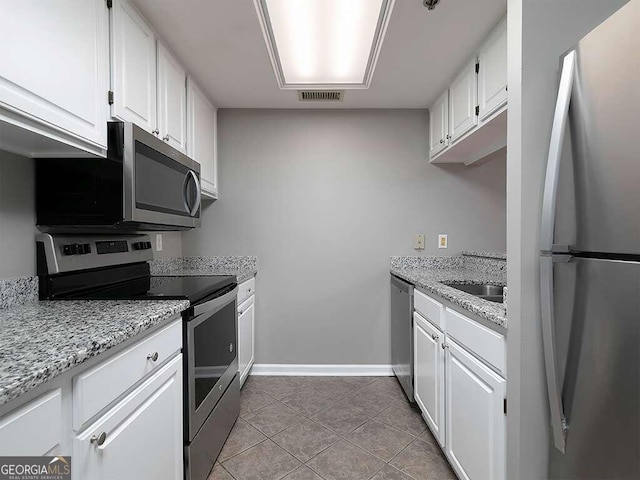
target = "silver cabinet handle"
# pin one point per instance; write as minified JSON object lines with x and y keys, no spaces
{"x":156,"y":132}
{"x":153,"y":356}
{"x":166,"y":137}
{"x":98,"y":439}
{"x":248,"y":290}
{"x":441,"y":140}
{"x":444,"y":346}
{"x":240,"y":313}
{"x":435,"y":337}
{"x":559,"y":426}
{"x":231,"y":347}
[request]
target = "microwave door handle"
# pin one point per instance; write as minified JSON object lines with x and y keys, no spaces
{"x":185,"y":192}
{"x":196,"y":205}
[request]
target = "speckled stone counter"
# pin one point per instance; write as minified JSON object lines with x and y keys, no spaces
{"x":16,"y":291}
{"x":243,"y":267}
{"x":431,"y":274}
{"x":41,"y":340}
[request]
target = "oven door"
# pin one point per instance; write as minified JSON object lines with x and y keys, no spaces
{"x":212,"y":360}
{"x":162,"y":185}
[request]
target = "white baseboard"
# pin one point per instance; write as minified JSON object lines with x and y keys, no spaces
{"x":322,"y":370}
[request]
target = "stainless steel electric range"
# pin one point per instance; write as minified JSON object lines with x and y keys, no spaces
{"x":116,"y":268}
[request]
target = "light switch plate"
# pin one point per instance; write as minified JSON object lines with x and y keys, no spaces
{"x":418,"y":243}
{"x":442,"y":240}
{"x":158,"y":242}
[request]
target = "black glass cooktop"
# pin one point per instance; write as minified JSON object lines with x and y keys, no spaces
{"x":194,"y":289}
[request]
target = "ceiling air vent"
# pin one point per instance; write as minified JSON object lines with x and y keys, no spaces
{"x":320,"y":95}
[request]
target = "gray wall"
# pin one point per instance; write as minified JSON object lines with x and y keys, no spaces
{"x":17,"y":220}
{"x":324,"y":198}
{"x":539,"y":32}
{"x":17,"y":216}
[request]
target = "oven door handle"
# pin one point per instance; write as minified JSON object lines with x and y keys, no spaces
{"x":213,"y":305}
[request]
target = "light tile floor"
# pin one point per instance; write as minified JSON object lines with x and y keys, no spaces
{"x":331,"y":428}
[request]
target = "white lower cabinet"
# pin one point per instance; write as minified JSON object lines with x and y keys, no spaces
{"x":461,"y":392}
{"x":246,"y":316}
{"x":246,"y":328}
{"x":428,"y":382}
{"x":140,"y":437}
{"x":475,"y":418}
{"x":35,"y":428}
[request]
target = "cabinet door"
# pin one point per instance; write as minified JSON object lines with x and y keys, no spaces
{"x":492,"y":78}
{"x":428,"y":357}
{"x":54,"y":61}
{"x":143,"y":433}
{"x":475,"y":419}
{"x":246,"y":326}
{"x":202,"y":146}
{"x":172,"y":100}
{"x":439,"y":124}
{"x":463,"y":98}
{"x":34,"y":429}
{"x":133,"y":67}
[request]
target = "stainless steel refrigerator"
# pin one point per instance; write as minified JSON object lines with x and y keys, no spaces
{"x":590,"y":256}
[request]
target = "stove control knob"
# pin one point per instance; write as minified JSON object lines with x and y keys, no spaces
{"x":70,"y":249}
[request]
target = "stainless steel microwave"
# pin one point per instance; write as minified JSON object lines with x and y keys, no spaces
{"x":142,"y":184}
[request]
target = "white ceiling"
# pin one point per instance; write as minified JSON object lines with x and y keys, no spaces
{"x":221,"y":44}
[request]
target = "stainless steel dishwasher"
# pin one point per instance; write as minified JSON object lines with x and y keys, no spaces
{"x":402,"y":333}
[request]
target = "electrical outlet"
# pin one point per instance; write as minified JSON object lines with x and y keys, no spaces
{"x":158,"y":242}
{"x":418,"y":243}
{"x":442,"y":240}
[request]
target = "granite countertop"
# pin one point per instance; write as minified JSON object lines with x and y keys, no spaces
{"x":431,"y":273}
{"x":41,"y":340}
{"x":243,"y":267}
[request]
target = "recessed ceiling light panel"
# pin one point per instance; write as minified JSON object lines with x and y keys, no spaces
{"x":324,"y":43}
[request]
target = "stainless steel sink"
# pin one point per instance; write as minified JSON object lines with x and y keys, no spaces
{"x":493,"y":293}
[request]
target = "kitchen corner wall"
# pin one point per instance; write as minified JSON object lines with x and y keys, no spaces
{"x":324,"y":198}
{"x":18,"y":219}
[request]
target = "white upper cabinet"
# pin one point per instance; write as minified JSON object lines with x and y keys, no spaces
{"x":133,"y":67}
{"x":429,"y":374}
{"x":492,"y":78}
{"x":201,"y":146}
{"x":439,"y":124}
{"x":54,"y":73}
{"x":172,"y":100}
{"x":477,"y":109}
{"x":475,"y":418}
{"x":463,"y":98}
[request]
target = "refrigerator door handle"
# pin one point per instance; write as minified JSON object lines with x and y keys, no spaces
{"x":560,"y":120}
{"x":559,"y":425}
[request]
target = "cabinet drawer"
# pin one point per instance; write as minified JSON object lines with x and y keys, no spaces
{"x":429,"y":308}
{"x":34,"y":429}
{"x":484,"y":342}
{"x":101,"y":385}
{"x":246,"y":289}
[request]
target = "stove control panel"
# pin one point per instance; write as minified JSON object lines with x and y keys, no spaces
{"x":76,"y":249}
{"x":69,"y":253}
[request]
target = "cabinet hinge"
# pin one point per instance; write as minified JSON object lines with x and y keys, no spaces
{"x":505,"y":406}
{"x":477,"y":110}
{"x":110,"y":97}
{"x":478,"y":67}
{"x":109,"y":3}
